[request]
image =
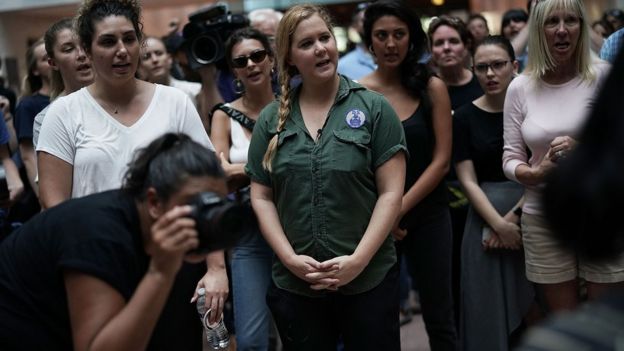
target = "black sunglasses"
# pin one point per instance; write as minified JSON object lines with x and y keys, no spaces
{"x":256,"y":57}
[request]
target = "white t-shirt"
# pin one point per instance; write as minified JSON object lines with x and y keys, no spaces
{"x":79,"y":131}
{"x":190,"y":88}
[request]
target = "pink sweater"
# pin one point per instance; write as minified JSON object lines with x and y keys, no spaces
{"x":535,"y":113}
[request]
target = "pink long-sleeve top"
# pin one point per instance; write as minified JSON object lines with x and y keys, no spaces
{"x":535,"y":113}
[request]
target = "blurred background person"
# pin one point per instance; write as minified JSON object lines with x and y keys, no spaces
{"x":495,"y":294}
{"x":612,"y":46}
{"x":450,"y":43}
{"x":358,"y":62}
{"x":250,"y":57}
{"x":478,"y":27}
{"x":602,"y":27}
{"x":266,"y":22}
{"x":514,"y":28}
{"x":156,"y":64}
{"x":71,"y":68}
{"x":35,"y":97}
{"x":396,"y":39}
{"x":544,"y":110}
{"x":615,"y":17}
{"x":88,"y":138}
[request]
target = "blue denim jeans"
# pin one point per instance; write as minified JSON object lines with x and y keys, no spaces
{"x":251,"y":277}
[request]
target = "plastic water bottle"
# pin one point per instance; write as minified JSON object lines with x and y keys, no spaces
{"x":216,"y":334}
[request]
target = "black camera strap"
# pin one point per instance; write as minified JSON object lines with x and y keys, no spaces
{"x":235,"y":115}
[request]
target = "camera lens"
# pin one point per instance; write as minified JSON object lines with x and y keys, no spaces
{"x":205,"y":49}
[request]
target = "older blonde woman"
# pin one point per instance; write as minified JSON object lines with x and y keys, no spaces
{"x":544,"y":110}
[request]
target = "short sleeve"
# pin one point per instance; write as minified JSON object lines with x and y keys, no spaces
{"x":191,"y":123}
{"x":56,"y":136}
{"x":24,"y":118}
{"x":388,"y":137}
{"x":257,"y":148}
{"x":4,"y":132}
{"x":461,"y":135}
{"x":107,"y":260}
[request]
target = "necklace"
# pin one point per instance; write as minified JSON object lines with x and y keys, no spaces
{"x":108,"y":107}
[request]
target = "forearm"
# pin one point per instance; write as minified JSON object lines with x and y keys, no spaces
{"x":30,"y":162}
{"x":384,"y":215}
{"x":132,"y":327}
{"x":12,"y":175}
{"x":429,"y":180}
{"x":528,"y":175}
{"x":271,"y":228}
{"x":482,"y":204}
{"x":215,"y":260}
{"x":521,"y":40}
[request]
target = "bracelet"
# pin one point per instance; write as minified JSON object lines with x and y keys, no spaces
{"x":518,"y":211}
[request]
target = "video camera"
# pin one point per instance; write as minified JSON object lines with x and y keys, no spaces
{"x":206,"y":33}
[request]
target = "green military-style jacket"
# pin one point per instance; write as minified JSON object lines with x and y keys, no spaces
{"x":325,"y":189}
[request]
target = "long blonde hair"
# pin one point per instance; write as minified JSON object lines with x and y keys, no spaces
{"x":283,"y":41}
{"x":540,"y":60}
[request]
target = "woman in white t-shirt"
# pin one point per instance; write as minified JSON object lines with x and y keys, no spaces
{"x":88,"y":137}
{"x":544,"y":111}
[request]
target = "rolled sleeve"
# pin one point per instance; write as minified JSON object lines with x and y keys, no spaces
{"x":388,"y":137}
{"x":258,"y":145}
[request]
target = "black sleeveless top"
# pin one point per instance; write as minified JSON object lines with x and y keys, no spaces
{"x":420,"y":140}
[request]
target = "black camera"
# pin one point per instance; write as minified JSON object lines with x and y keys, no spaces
{"x":220,"y":222}
{"x":206,"y":33}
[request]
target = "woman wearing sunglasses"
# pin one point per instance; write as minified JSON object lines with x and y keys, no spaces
{"x":248,"y":53}
{"x":495,"y":293}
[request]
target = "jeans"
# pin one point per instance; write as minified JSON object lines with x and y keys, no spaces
{"x":428,"y":249}
{"x":365,"y":321}
{"x":251,"y":276}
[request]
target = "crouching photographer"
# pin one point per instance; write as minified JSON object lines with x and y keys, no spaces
{"x":96,"y":272}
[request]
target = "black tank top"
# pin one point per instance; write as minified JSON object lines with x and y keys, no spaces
{"x":420,"y":142}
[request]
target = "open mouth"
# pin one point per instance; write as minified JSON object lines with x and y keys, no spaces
{"x":253,"y":74}
{"x":323,"y":63}
{"x":562,"y":45}
{"x":83,"y":67}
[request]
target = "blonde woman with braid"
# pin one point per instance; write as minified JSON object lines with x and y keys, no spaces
{"x":327,"y":166}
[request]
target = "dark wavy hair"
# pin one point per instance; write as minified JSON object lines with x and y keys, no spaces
{"x":166,"y":163}
{"x":584,"y":196}
{"x":245,"y":33}
{"x":414,"y":75}
{"x":92,"y":11}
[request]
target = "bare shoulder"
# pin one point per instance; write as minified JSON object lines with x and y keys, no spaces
{"x":436,"y":85}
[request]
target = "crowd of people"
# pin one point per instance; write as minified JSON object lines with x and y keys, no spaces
{"x":417,"y":161}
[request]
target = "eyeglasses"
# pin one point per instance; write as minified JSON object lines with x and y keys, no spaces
{"x":255,"y":57}
{"x":496,"y":66}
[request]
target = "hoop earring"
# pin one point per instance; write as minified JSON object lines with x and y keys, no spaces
{"x":370,"y":49}
{"x":239,"y":88}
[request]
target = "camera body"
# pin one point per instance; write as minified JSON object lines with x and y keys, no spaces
{"x":220,"y":222}
{"x":206,"y":33}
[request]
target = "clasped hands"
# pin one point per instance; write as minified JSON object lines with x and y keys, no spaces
{"x":327,"y":275}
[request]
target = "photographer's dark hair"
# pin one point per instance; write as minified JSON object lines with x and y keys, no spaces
{"x":414,"y":75}
{"x":584,"y":196}
{"x":500,"y":41}
{"x":245,"y":33}
{"x":92,"y":11}
{"x":166,"y":163}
